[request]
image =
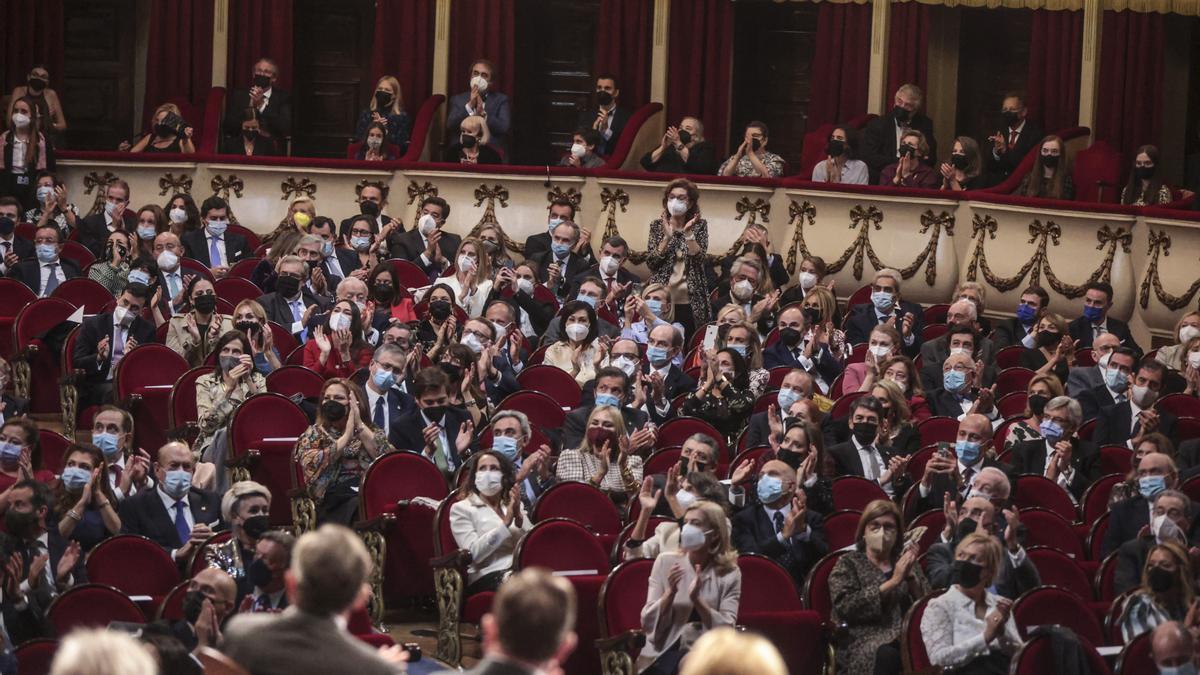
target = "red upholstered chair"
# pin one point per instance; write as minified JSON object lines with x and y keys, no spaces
{"x":252,"y":240}
{"x":933,"y":331}
{"x":542,"y":410}
{"x":1009,"y":357}
{"x":1187,"y":428}
{"x":841,"y":407}
{"x":938,"y":430}
{"x":776,"y":375}
{"x":290,"y":380}
{"x":14,"y":295}
{"x":1046,"y":528}
{"x":1012,"y":404}
{"x":554,"y":382}
{"x":143,"y":382}
{"x":1032,"y":490}
{"x":816,"y":594}
{"x":660,"y":461}
{"x":771,"y":606}
{"x":855,"y":492}
{"x":1084,"y":356}
{"x":53,"y":446}
{"x":417,"y":146}
{"x":262,"y":436}
{"x":582,"y":503}
{"x":1095,"y":537}
{"x":1086,"y":429}
{"x":859,"y":297}
{"x":1058,"y":569}
{"x":748,"y":455}
{"x":1013,"y":379}
{"x":285,"y":342}
{"x":621,"y":600}
{"x":1095,"y":498}
{"x":1097,"y":173}
{"x":236,"y":289}
{"x":133,"y":565}
{"x":171,"y":608}
{"x":35,"y":367}
{"x":1105,"y":583}
{"x":916,"y":463}
{"x":243,"y":268}
{"x":450,"y":573}
{"x":1037,"y":657}
{"x":198,"y":563}
{"x":190,"y":266}
{"x":912,"y":644}
{"x":1116,"y":459}
{"x":78,"y":254}
{"x":1053,"y":605}
{"x":294,"y":357}
{"x":84,"y":292}
{"x":618,"y":548}
{"x":92,"y":606}
{"x":858,"y":353}
{"x":812,"y":150}
{"x":1180,"y":405}
{"x":34,"y":656}
{"x":182,"y":404}
{"x":1136,"y":658}
{"x":409,"y":274}
{"x":840,"y":527}
{"x":933,"y":521}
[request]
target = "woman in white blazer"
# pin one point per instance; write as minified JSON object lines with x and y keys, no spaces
{"x":489,"y":520}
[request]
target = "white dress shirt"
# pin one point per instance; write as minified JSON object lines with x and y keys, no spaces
{"x":953,"y":633}
{"x":372,"y":397}
{"x":443,"y":438}
{"x":266,"y":98}
{"x":480,"y":530}
{"x":786,"y":511}
{"x":55,"y":267}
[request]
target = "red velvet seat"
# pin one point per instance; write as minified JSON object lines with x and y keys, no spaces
{"x":1116,"y":459}
{"x":84,"y":292}
{"x":1046,"y":528}
{"x":933,"y":521}
{"x":1053,"y":605}
{"x":562,"y":545}
{"x":285,"y":342}
{"x":677,"y":430}
{"x":583,"y":504}
{"x":1012,"y":404}
{"x":933,"y":331}
{"x":289,"y":380}
{"x":912,"y":644}
{"x":938,"y":430}
{"x":262,"y":438}
{"x":621,"y":600}
{"x":1037,"y":657}
{"x":171,"y":607}
{"x":236,"y":289}
{"x":1013,"y":379}
{"x":1086,"y":429}
{"x":859,"y":297}
{"x":542,"y":410}
{"x":1095,"y":499}
{"x":1187,"y":428}
{"x":840,"y":527}
{"x":1032,"y":490}
{"x":1095,"y":537}
{"x":1097,"y":173}
{"x":93,"y":606}
{"x":1180,"y":405}
{"x":14,"y":296}
{"x":35,"y":656}
{"x":1058,"y":569}
{"x":858,"y":353}
{"x":754,"y":455}
{"x":244,"y":268}
{"x":53,"y":445}
{"x":770,"y":605}
{"x":1136,"y":658}
{"x":190,"y":266}
{"x":816,"y":594}
{"x":1009,"y":357}
{"x":841,"y":407}
{"x":33,"y":321}
{"x":1105,"y":583}
{"x":812,"y":149}
{"x":133,"y":565}
{"x":182,"y":404}
{"x":661,"y":461}
{"x":144,"y":380}
{"x":855,"y":492}
{"x":450,"y":566}
{"x":917,"y":461}
{"x":554,"y":382}
{"x":78,"y":254}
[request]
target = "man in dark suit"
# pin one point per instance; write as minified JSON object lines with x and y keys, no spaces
{"x":1014,"y":141}
{"x":495,"y":373}
{"x":792,"y":350}
{"x":442,"y":433}
{"x":105,"y":339}
{"x":483,"y":101}
{"x":292,"y":303}
{"x":558,"y":266}
{"x":13,"y":249}
{"x":272,"y":110}
{"x":1097,"y":301}
{"x":336,"y":263}
{"x":887,"y":306}
{"x":616,"y":281}
{"x":881,"y":138}
{"x":1158,"y":473}
{"x":963,"y":335}
{"x":1116,"y":384}
{"x":1176,"y":512}
{"x":1127,"y":422}
{"x":29,"y":621}
{"x":561,"y":210}
{"x":28,"y":509}
{"x":1033,"y":303}
{"x":1062,"y":457}
{"x":954,"y":468}
{"x":605,"y":114}
{"x":660,"y":375}
{"x":611,"y":388}
{"x":779,"y":525}
{"x":168,"y":272}
{"x":427,"y":244}
{"x":217,"y":249}
{"x":326,"y":580}
{"x":861,"y":456}
{"x":384,"y":401}
{"x":796,"y":385}
{"x":960,"y":393}
{"x":1083,"y":378}
{"x":1016,"y":572}
{"x":211,"y":596}
{"x":174,"y":515}
{"x":44,"y":274}
{"x":94,"y":229}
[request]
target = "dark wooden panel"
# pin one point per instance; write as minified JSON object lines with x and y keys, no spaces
{"x":99,"y":39}
{"x":993,"y":58}
{"x":333,"y":62}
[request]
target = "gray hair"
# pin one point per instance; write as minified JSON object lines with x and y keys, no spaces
{"x":330,"y":565}
{"x":1001,"y":478}
{"x":308,"y":239}
{"x":892,"y":274}
{"x":521,"y":418}
{"x":744,"y":261}
{"x":1176,"y":494}
{"x":389,"y":348}
{"x":970,"y":308}
{"x":96,"y":651}
{"x":705,"y":439}
{"x":574,"y":229}
{"x":1074,"y":411}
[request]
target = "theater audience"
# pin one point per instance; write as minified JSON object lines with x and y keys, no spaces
{"x":213,"y":247}
{"x":483,"y":102}
{"x":48,"y":109}
{"x":840,"y":165}
{"x":1014,"y":572}
{"x":249,"y":318}
{"x":1059,"y":454}
{"x":1020,"y":330}
{"x":443,"y":433}
{"x":511,"y":433}
{"x":604,"y":458}
{"x":24,"y":151}
{"x":83,"y":498}
{"x":439,"y":328}
{"x":884,"y":135}
{"x":112,"y":271}
{"x":1180,"y":356}
{"x":105,"y":339}
{"x":1165,"y":594}
{"x":52,"y":204}
{"x":691,"y":591}
{"x":334,"y":452}
{"x":872,"y":588}
{"x":1050,"y":177}
{"x":175,"y":515}
{"x":1040,"y":390}
{"x":360,"y":240}
{"x":246,"y":506}
{"x":584,"y":153}
{"x":683,"y":150}
{"x":386,"y":109}
{"x":676,"y":253}
{"x":1145,"y":186}
{"x":649,"y":310}
{"x":749,"y":288}
{"x":887,"y":307}
{"x":220,"y":393}
{"x":194,"y":334}
{"x":605,"y":116}
{"x":258,"y":118}
{"x":911,"y":168}
{"x":488,"y":520}
{"x":1169,"y":511}
{"x":780,"y":525}
{"x":751,"y":158}
{"x":169,"y":132}
{"x":1131,"y":485}
{"x":472,"y":279}
{"x":49,"y":269}
{"x":684,"y":485}
{"x":564,"y":261}
{"x":722,"y":396}
{"x":1053,"y":350}
{"x":561,"y":210}
{"x":964,"y":170}
{"x":1014,"y":140}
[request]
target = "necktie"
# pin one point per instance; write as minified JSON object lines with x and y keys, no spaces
{"x":181,"y":524}
{"x":1119,"y":398}
{"x":172,"y":286}
{"x":52,"y":280}
{"x":116,"y":473}
{"x":1012,"y":138}
{"x":214,"y":253}
{"x":439,"y":455}
{"x":297,"y":313}
{"x":778,"y":522}
{"x":118,"y":347}
{"x":379,"y":416}
{"x":967,"y":474}
{"x":1137,"y":427}
{"x":876,"y":469}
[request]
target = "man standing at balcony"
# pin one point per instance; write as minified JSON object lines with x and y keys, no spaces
{"x":605,"y":115}
{"x":881,"y":139}
{"x":272,"y":110}
{"x":483,"y":101}
{"x":1014,"y":141}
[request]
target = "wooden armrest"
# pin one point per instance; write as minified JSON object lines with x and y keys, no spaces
{"x":376,"y":524}
{"x":626,"y":641}
{"x":454,"y":561}
{"x":28,"y":351}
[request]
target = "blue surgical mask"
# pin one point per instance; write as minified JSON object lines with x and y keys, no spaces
{"x":107,"y":443}
{"x":327,"y":249}
{"x":1185,"y":669}
{"x":740,"y":349}
{"x":505,"y":446}
{"x":770,"y":488}
{"x":968,"y":451}
{"x":1093,"y":314}
{"x":785,"y":398}
{"x":553,"y":223}
{"x":1051,"y":431}
{"x":657,"y":356}
{"x":1116,"y":380}
{"x":954,"y":381}
{"x":177,"y":483}
{"x":44,"y":193}
{"x":560,"y":250}
{"x":218,"y":227}
{"x":1026,"y":314}
{"x":139,"y":277}
{"x":384,"y":379}
{"x":360,"y":243}
{"x":608,"y":399}
{"x":10,"y":453}
{"x":146,"y":232}
{"x":655,"y":307}
{"x":1151,"y":485}
{"x":586,"y":298}
{"x":882,"y":301}
{"x":47,"y":253}
{"x":75,"y":478}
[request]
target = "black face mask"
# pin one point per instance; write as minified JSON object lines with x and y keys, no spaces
{"x":686,"y":467}
{"x":333,"y":411}
{"x":958,"y":161}
{"x":7,"y":225}
{"x":383,"y":293}
{"x":256,"y":526}
{"x":20,"y":524}
{"x":250,"y":134}
{"x":1160,"y":580}
{"x":287,"y":287}
{"x":163,"y":130}
{"x":865,"y":432}
{"x":439,"y":310}
{"x":1037,"y":404}
{"x":205,"y":304}
{"x":368,"y":208}
{"x":258,"y":574}
{"x":1143,"y":172}
{"x":36,"y":83}
{"x":900,"y":114}
{"x":965,"y":526}
{"x":812,"y":316}
{"x":262,"y":81}
{"x":452,"y":371}
{"x":905,"y":150}
{"x":193,"y":604}
{"x":1047,"y":338}
{"x":835,"y":147}
{"x":468,"y":141}
{"x":790,"y":337}
{"x":792,"y":459}
{"x":435,"y":413}
{"x":604,"y":98}
{"x":383,"y":99}
{"x":967,"y":574}
{"x":1050,"y":161}
{"x":755,"y":144}
{"x":246,"y":327}
{"x":1011,"y":117}
{"x":685,"y":136}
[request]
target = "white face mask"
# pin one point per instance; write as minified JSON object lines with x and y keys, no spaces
{"x":501,"y":331}
{"x":479,"y":83}
{"x":339,"y":321}
{"x":488,"y":482}
{"x":609,"y":265}
{"x":525,"y":285}
{"x":168,"y":261}
{"x":427,"y":225}
{"x":880,"y":351}
{"x":807,"y":280}
{"x":178,"y":215}
{"x":743,"y":290}
{"x":576,"y":331}
{"x":685,"y":498}
{"x":692,"y":538}
{"x":466,"y":263}
{"x":20,"y":120}
{"x":960,"y":350}
{"x":676,"y":207}
{"x":1193,"y":359}
{"x":578,"y":150}
{"x":1187,"y":333}
{"x":626,"y":364}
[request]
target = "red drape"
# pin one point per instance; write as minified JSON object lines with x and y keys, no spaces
{"x":1054,"y":61}
{"x":482,"y":29}
{"x":32,"y":32}
{"x":1129,"y":110}
{"x":701,"y":42}
{"x":179,"y":56}
{"x":259,"y":28}
{"x":406,"y":54}
{"x":840,"y":65}
{"x":624,"y":42}
{"x":908,"y":46}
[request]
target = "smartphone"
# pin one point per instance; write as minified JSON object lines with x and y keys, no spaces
{"x":943,"y":451}
{"x":710,"y":336}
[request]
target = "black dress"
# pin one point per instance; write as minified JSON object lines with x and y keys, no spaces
{"x":1034,"y":359}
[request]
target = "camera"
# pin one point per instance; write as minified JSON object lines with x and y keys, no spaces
{"x":172,"y":122}
{"x":414,"y":651}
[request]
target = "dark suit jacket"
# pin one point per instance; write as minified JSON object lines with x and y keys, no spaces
{"x":624,"y":276}
{"x":587,"y":117}
{"x":1010,"y":582}
{"x":294,"y":641}
{"x":92,"y":332}
{"x":1029,"y":137}
{"x":754,"y":533}
{"x":571,"y":434}
{"x":847,"y":463}
{"x":1008,"y":333}
{"x":14,"y":407}
{"x":1095,"y":400}
{"x":278,"y":310}
{"x":23,"y":248}
{"x":758,"y":430}
{"x":863,"y":319}
{"x":677,"y":382}
{"x":276,"y":118}
{"x":409,"y":246}
{"x":498,"y":116}
{"x":1082,"y":378}
{"x":348,"y":260}
{"x":824,"y":364}
{"x":1113,"y":426}
{"x":29,"y":272}
{"x":93,"y":231}
{"x":1187,"y":456}
{"x":1081,"y":330}
{"x":1030,"y":457}
{"x":1126,"y":518}
{"x":879,"y":141}
{"x":398,"y":404}
{"x":537,"y":244}
{"x":945,"y":404}
{"x":145,"y":514}
{"x":196,"y":243}
{"x":576,"y":264}
{"x":406,"y":432}
{"x":1131,"y":560}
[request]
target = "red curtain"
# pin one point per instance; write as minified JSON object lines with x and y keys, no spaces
{"x":624,"y":40}
{"x":908,"y":47}
{"x":406,"y":54}
{"x":179,"y":56}
{"x":1129,"y":110}
{"x":482,"y":29}
{"x":701,"y":42}
{"x":841,"y":61}
{"x":257,"y":29}
{"x":1054,"y":62}
{"x":32,"y":32}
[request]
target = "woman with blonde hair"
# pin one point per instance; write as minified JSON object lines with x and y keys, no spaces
{"x":1053,"y":352}
{"x":387,"y":109}
{"x":167,"y":133}
{"x":1040,"y":391}
{"x":250,"y":318}
{"x":472,"y":145}
{"x":283,"y":239}
{"x":725,"y":651}
{"x":1166,"y":593}
{"x":604,"y":459}
{"x":902,"y":371}
{"x":691,"y":591}
{"x":472,"y":279}
{"x":742,"y":337}
{"x":648,"y":310}
{"x":1187,"y":329}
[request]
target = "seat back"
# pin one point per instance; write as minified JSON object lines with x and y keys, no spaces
{"x":1009,"y":357}
{"x":661,"y":461}
{"x":840,"y":527}
{"x":1013,"y":379}
{"x":541,"y":410}
{"x":1058,"y":569}
{"x":933,"y":521}
{"x":623,"y":595}
{"x":912,"y":644}
{"x":398,"y":477}
{"x":582,"y":503}
{"x":1046,"y":528}
{"x":1095,"y":499}
{"x":1012,"y":403}
{"x":1033,"y":490}
{"x":267,"y":426}
{"x":1105,"y":583}
{"x":1116,"y":459}
{"x":1136,"y":658}
{"x":78,"y":254}
{"x":855,"y":492}
{"x":552,"y":381}
{"x":289,"y":380}
{"x":14,"y":296}
{"x":112,"y":561}
{"x":53,"y":446}
{"x":149,"y":371}
{"x":766,"y":586}
{"x":183,"y":397}
{"x":35,"y":656}
{"x":938,"y":430}
{"x":389,"y":489}
{"x":1053,"y":605}
{"x":562,"y":545}
{"x":31,"y":322}
{"x":190,"y":266}
{"x":84,"y":292}
{"x":422,"y":128}
{"x":1037,"y":656}
{"x":676,"y":431}
{"x":841,"y":407}
{"x":198,"y":562}
{"x":812,"y":150}
{"x":243,"y":268}
{"x":236,"y":289}
{"x":1097,"y":173}
{"x":91,"y":606}
{"x":171,"y":607}
{"x":816,"y":594}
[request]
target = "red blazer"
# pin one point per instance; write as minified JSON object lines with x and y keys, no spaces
{"x":334,"y":365}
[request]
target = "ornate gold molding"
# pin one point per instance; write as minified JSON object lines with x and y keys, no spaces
{"x":171,"y":183}
{"x":755,"y":209}
{"x":611,"y":200}
{"x":1160,"y":243}
{"x":984,"y":227}
{"x":496,"y":193}
{"x":418,"y":194}
{"x":99,"y":183}
{"x":222,"y":186}
{"x":292,"y":187}
{"x":800,"y":216}
{"x":941,"y":222}
{"x":861,"y":218}
{"x":572,"y":195}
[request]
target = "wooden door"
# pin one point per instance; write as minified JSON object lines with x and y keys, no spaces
{"x":555,"y":55}
{"x":772,"y":72}
{"x":333,"y":69}
{"x":98,"y":43}
{"x":993,"y":59}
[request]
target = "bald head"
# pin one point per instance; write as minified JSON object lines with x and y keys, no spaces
{"x":1171,"y":645}
{"x":786,"y":476}
{"x":218,"y":587}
